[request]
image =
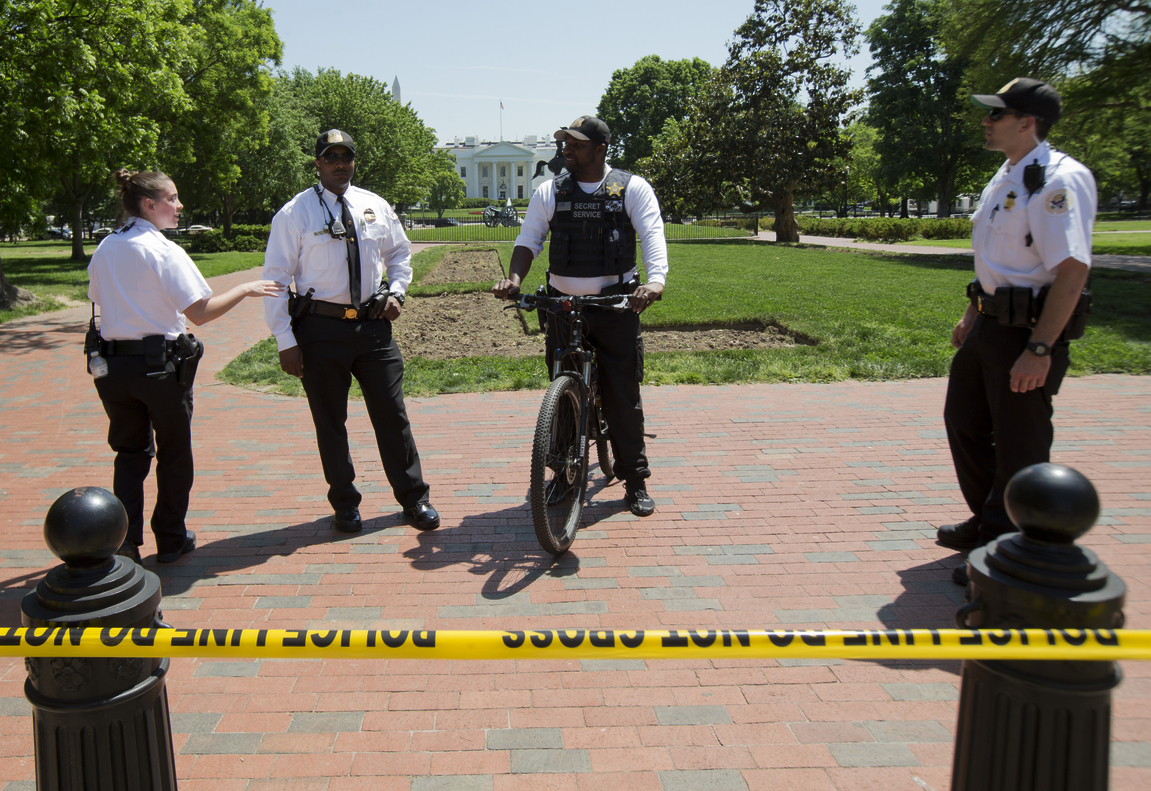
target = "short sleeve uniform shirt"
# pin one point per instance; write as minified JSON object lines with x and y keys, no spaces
{"x":1019,"y":239}
{"x":142,"y":282}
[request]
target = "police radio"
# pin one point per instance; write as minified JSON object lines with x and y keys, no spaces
{"x":334,"y":227}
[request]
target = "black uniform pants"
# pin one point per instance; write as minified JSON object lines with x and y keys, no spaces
{"x":139,"y":407}
{"x":993,"y":432}
{"x":619,"y":347}
{"x":334,"y":351}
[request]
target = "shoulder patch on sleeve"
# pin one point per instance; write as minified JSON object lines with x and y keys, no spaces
{"x":1058,"y":202}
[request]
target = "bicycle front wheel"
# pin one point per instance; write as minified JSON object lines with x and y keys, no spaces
{"x":559,"y":467}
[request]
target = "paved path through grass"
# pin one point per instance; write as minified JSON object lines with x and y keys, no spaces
{"x":779,"y":506}
{"x":1131,"y":263}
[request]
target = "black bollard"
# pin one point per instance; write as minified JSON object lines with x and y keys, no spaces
{"x":99,"y":723}
{"x":1038,"y":725}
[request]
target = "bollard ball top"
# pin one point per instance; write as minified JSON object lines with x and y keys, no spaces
{"x":85,"y":526}
{"x":1051,"y":503}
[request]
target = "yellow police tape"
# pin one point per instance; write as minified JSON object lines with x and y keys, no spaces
{"x":1077,"y":644}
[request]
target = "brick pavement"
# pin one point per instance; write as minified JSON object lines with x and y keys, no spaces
{"x":779,"y":505}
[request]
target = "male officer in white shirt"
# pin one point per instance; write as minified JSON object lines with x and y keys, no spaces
{"x":337,"y":242}
{"x":1032,"y":241}
{"x":596,"y":215}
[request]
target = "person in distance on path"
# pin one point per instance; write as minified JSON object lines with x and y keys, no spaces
{"x":351,"y":262}
{"x":1032,"y":242}
{"x":147,"y":289}
{"x":595,"y":215}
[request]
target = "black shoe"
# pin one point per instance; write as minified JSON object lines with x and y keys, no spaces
{"x":347,"y":520}
{"x":638,"y":500}
{"x":129,"y":550}
{"x":964,"y":535}
{"x":172,"y":557}
{"x":423,"y":515}
{"x":959,"y":575}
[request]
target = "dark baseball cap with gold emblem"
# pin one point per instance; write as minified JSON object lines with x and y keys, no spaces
{"x":586,"y":127}
{"x":1027,"y":96}
{"x":334,"y":137}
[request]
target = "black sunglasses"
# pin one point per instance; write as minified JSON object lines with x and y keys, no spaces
{"x":333,"y":158}
{"x":996,"y":113}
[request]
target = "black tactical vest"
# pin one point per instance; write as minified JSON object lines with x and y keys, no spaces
{"x":591,"y":235}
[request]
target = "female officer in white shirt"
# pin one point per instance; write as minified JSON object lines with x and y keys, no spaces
{"x":146,"y":286}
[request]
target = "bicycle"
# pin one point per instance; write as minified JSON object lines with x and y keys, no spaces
{"x":570,"y":419}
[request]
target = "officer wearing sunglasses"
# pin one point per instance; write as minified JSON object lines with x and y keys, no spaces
{"x":346,"y":251}
{"x":1032,"y":242}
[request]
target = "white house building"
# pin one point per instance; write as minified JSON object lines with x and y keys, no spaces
{"x":501,"y":170}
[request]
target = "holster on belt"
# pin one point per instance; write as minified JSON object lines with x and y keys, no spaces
{"x":187,"y":356}
{"x":298,"y":305}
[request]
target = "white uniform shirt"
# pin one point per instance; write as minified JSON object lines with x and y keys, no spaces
{"x":300,"y":249}
{"x":1059,"y":217}
{"x":642,"y":208}
{"x":142,"y":282}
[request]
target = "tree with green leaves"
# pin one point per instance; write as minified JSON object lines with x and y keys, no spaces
{"x":395,"y":151}
{"x":928,"y":131}
{"x":283,"y":164}
{"x":1106,"y":44}
{"x":448,"y":189}
{"x":83,"y":84}
{"x":767,"y":127}
{"x":638,"y":101}
{"x":226,"y":79}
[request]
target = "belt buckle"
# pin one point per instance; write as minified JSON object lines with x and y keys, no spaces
{"x":351,"y":313}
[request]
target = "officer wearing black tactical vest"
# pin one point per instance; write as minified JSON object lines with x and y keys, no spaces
{"x":596,"y":215}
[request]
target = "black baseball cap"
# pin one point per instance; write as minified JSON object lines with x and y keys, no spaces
{"x":586,"y":127}
{"x":334,"y":137}
{"x":1025,"y":95}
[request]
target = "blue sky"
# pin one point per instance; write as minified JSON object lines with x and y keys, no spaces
{"x":548,"y":64}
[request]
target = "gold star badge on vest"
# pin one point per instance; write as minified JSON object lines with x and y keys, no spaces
{"x":1011,"y":196}
{"x":614,"y":190}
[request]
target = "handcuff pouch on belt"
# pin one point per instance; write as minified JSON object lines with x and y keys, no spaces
{"x":1015,"y":306}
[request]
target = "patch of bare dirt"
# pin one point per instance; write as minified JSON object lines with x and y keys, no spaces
{"x":466,"y":266}
{"x":471,"y":325}
{"x":463,"y":325}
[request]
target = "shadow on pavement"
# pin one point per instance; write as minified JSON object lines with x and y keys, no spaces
{"x":929,"y":601}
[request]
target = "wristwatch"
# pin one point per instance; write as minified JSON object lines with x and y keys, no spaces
{"x":1038,"y":349}
{"x":397,"y":296}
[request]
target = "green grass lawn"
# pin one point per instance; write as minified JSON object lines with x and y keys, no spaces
{"x":1102,"y":244}
{"x":1121,"y":244}
{"x":45,"y":269}
{"x":1123,"y":225}
{"x":873,"y":316}
{"x":479,"y":233}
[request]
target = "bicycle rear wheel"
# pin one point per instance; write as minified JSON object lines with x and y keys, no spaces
{"x":559,"y":467}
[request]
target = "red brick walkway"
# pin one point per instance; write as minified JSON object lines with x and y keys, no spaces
{"x":778,"y":505}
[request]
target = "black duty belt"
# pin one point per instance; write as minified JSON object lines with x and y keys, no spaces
{"x":113,"y":347}
{"x":333,"y":310}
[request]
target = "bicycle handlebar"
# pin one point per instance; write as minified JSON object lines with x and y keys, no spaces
{"x":565,"y":302}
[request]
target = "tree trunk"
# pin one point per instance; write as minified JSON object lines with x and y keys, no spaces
{"x":78,"y":193}
{"x":786,"y":228}
{"x":946,"y":185}
{"x":12,"y":296}
{"x":228,"y":207}
{"x":903,"y":214}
